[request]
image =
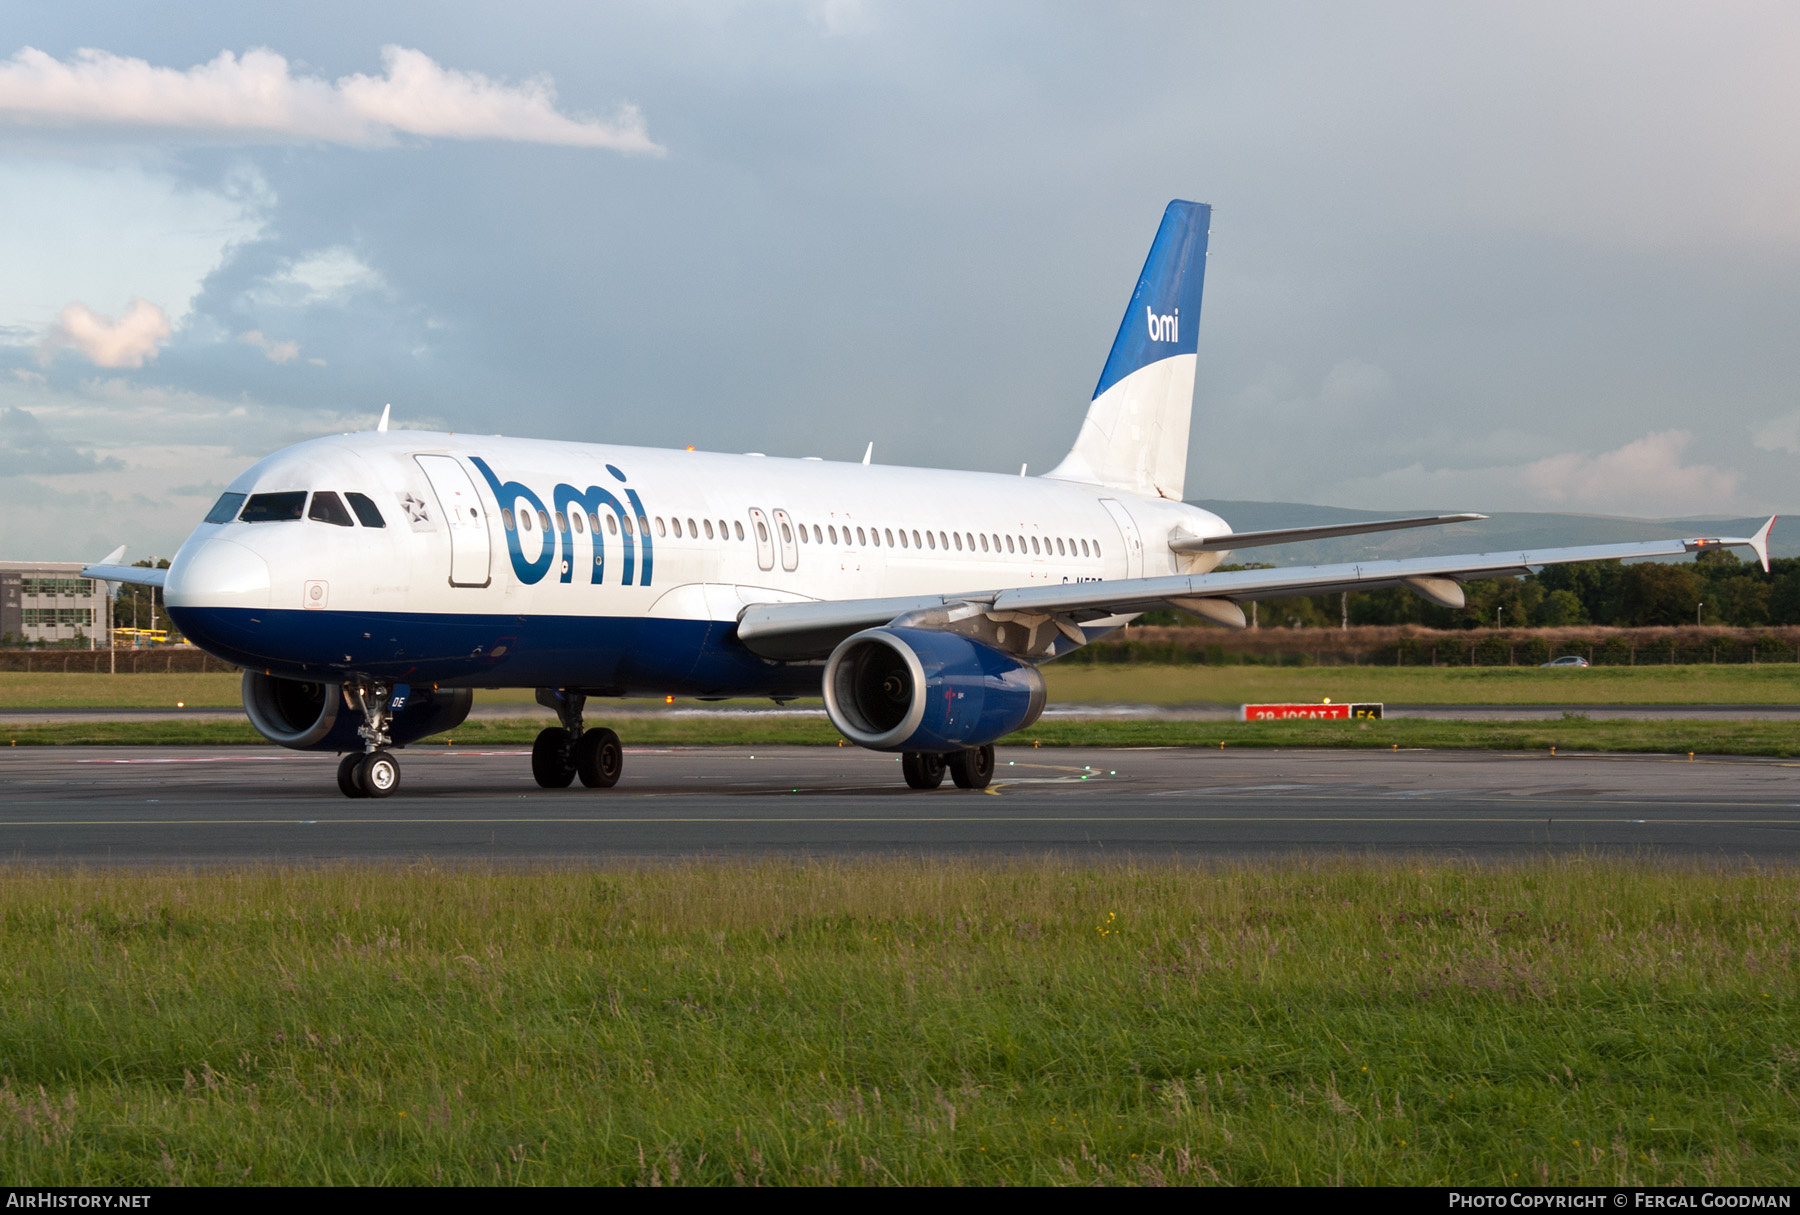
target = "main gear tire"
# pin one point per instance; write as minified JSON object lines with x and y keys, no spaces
{"x":599,"y":758}
{"x":922,"y":769}
{"x":553,"y":759}
{"x":973,"y":768}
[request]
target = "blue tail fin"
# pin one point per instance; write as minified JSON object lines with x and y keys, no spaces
{"x":1135,"y":434}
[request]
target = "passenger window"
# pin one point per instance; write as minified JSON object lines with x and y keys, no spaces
{"x":1034,"y":545}
{"x":274,"y":508}
{"x":624,"y":521}
{"x":676,"y":523}
{"x":762,"y":532}
{"x":787,"y":534}
{"x":890,"y":536}
{"x":693,"y":531}
{"x":1084,"y":550}
{"x":1059,"y":547}
{"x":984,"y":547}
{"x":225,"y":509}
{"x":575,"y":522}
{"x":562,"y":523}
{"x":860,"y":538}
{"x":525,"y":519}
{"x":643,"y":525}
{"x":818,"y":535}
{"x":366,"y":512}
{"x":327,"y":507}
{"x":709,"y":530}
{"x":930,"y":541}
{"x":1096,"y":548}
{"x":594,"y":522}
{"x":506,"y":517}
{"x":903,"y":537}
{"x":832,"y":532}
{"x":1009,"y":547}
{"x":544,"y":519}
{"x":737,"y":528}
{"x":803,"y":535}
{"x":660,"y":529}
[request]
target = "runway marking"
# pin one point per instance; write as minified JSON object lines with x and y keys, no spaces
{"x":991,"y":820}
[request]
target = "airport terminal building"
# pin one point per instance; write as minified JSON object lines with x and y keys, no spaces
{"x":44,"y":601}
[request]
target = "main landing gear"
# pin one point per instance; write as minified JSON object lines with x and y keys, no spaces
{"x":970,"y":769}
{"x":561,"y":753}
{"x":374,"y":772}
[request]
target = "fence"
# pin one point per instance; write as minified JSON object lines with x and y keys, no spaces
{"x":125,"y":662}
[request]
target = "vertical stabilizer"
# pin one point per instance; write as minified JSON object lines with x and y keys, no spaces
{"x":1135,"y":435}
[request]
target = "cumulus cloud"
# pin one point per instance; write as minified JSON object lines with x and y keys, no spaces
{"x":257,"y":97}
{"x":126,"y":342}
{"x":275,"y":352}
{"x":1646,"y":477}
{"x":26,"y":447}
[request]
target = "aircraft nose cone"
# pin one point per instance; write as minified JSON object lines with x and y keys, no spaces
{"x":217,"y":574}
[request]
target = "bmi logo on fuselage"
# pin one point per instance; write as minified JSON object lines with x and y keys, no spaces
{"x":1164,"y":327}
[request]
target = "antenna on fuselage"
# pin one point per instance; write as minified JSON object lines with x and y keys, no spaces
{"x":381,"y":426}
{"x":868,"y":451}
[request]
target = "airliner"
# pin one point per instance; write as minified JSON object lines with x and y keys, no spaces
{"x":367,"y":584}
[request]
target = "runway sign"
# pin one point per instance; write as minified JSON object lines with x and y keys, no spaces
{"x":1322,"y":712}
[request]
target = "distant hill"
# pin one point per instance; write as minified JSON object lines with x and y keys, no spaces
{"x":1503,"y":531}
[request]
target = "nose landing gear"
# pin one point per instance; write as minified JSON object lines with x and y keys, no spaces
{"x":375,"y":772}
{"x":562,"y":753}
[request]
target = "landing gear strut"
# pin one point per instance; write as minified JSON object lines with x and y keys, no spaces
{"x":561,"y":753}
{"x":375,"y":772}
{"x":970,"y":769}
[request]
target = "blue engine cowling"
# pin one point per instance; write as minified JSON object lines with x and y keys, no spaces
{"x":309,"y":716}
{"x":903,"y":689}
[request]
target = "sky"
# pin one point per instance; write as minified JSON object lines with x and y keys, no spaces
{"x":1464,"y":257}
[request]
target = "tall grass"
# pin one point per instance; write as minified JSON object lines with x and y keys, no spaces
{"x":904,"y":1021}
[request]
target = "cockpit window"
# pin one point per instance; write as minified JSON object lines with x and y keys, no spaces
{"x":327,"y":507}
{"x":274,"y":508}
{"x":225,"y":509}
{"x":366,"y":512}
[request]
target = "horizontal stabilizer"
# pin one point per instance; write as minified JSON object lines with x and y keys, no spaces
{"x":1295,"y":535}
{"x":136,"y":575}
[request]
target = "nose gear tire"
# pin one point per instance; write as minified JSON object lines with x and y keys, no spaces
{"x":350,"y":776}
{"x":552,"y":758}
{"x":379,"y":774}
{"x":599,"y":758}
{"x":972,"y":769}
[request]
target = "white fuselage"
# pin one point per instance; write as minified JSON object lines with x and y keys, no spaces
{"x":724,"y":531}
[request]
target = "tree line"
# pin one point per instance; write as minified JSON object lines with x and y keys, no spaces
{"x":1716,"y":588}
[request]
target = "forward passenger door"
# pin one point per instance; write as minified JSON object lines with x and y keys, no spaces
{"x":465,"y":519}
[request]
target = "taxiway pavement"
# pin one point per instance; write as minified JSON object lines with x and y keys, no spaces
{"x":162,"y":805}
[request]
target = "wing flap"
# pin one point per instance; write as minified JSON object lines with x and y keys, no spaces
{"x":1296,"y":535}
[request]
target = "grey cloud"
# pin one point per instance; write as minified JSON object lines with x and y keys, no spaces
{"x":26,"y":448}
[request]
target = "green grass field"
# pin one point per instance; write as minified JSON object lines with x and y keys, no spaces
{"x":1085,"y":684}
{"x":926,"y":1022}
{"x":1766,"y":738}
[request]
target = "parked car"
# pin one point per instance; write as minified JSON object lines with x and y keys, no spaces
{"x":1567,"y":660}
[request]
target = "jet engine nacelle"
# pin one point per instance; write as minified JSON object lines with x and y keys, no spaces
{"x":903,"y":689}
{"x":308,"y":716}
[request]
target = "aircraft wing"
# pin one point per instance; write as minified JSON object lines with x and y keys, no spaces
{"x":791,"y":631}
{"x":1295,"y":535}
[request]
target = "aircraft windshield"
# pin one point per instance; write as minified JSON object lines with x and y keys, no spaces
{"x":225,"y":509}
{"x":365,"y":510}
{"x":274,"y":508}
{"x":327,"y":507}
